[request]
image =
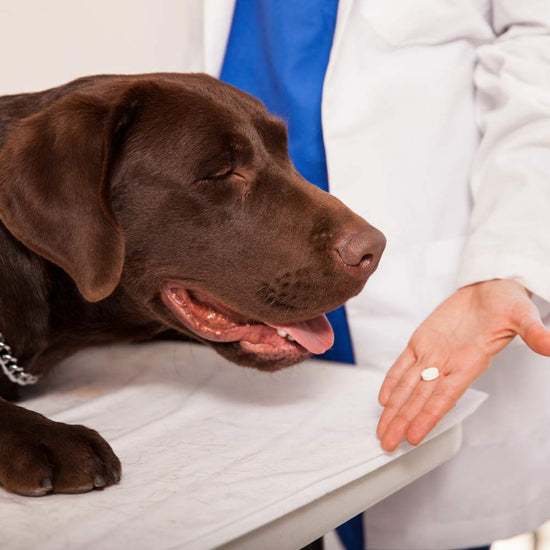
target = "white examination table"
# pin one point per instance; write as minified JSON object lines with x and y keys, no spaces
{"x":218,"y":455}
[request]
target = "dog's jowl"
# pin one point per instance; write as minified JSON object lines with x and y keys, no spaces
{"x":135,"y":205}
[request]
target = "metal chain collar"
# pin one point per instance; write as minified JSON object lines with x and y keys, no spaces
{"x":10,"y":367}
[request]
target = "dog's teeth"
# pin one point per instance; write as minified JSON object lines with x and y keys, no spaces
{"x":284,"y":334}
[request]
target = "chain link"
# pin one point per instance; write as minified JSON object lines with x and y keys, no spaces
{"x":10,"y":367}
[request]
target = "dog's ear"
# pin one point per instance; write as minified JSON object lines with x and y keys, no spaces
{"x":54,"y":183}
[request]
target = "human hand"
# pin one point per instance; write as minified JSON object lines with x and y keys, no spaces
{"x":460,"y":338}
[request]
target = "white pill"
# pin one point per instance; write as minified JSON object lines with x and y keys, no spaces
{"x":430,"y":373}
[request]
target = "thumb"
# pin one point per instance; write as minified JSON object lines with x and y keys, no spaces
{"x":534,"y":333}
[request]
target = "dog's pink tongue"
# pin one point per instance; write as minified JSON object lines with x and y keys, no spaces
{"x":316,"y":335}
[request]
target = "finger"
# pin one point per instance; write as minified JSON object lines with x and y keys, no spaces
{"x":534,"y":333}
{"x":394,"y":433}
{"x":440,"y":403}
{"x":404,"y":362}
{"x":400,"y":395}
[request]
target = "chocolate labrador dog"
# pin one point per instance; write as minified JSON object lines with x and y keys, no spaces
{"x":135,"y":205}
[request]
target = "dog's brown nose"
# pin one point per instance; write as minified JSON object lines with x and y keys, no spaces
{"x":362,"y":249}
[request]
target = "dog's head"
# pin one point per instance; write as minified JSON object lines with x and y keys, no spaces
{"x":178,"y":189}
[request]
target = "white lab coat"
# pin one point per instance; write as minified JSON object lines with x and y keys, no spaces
{"x":410,"y":89}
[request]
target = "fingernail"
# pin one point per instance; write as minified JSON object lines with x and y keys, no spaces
{"x":390,"y":447}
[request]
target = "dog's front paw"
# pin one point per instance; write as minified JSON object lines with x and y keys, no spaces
{"x":40,"y":456}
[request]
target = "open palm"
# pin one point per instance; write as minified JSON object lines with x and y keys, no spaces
{"x":460,"y":338}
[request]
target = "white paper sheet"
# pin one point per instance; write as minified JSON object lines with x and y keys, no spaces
{"x":209,"y":450}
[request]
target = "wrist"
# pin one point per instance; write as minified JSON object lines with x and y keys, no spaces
{"x":491,"y":284}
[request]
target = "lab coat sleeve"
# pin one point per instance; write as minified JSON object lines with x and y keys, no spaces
{"x":509,"y":233}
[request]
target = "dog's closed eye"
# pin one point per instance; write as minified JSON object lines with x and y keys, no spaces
{"x":222,"y":174}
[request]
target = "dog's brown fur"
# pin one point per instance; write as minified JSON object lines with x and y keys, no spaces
{"x":110,"y":185}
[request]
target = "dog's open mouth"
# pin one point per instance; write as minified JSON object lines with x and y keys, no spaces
{"x":211,"y":320}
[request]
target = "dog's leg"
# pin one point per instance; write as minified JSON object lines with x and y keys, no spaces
{"x":40,"y":456}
